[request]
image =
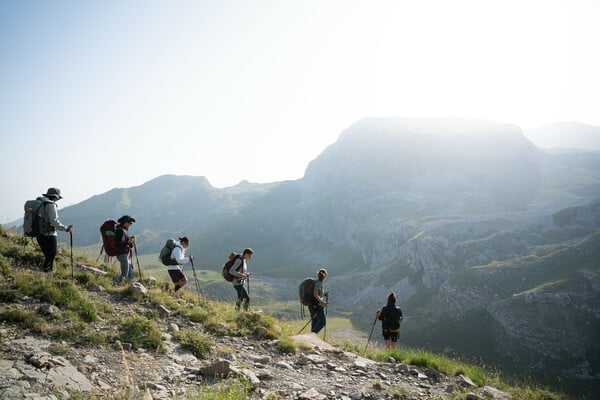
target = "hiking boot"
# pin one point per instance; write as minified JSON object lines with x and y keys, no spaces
{"x":237,"y":306}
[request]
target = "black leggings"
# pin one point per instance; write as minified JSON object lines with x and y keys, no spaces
{"x":242,"y":296}
{"x":48,"y":244}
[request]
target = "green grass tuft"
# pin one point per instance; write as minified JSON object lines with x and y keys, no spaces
{"x":287,"y":346}
{"x":200,"y":345}
{"x":24,"y":318}
{"x":141,"y":333}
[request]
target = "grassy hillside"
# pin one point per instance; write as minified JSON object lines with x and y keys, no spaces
{"x":85,"y":322}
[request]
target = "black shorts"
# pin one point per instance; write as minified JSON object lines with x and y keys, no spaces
{"x":176,"y":275}
{"x":389,"y":335}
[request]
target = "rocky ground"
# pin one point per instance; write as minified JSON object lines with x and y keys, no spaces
{"x":36,"y":368}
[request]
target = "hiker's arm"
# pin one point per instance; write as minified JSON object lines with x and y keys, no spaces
{"x":52,"y":214}
{"x":318,"y":298}
{"x":234,"y":269}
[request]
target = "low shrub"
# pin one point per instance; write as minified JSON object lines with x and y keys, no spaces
{"x":142,"y":333}
{"x":9,"y":296}
{"x":4,"y":266}
{"x":287,"y":346}
{"x":200,"y":345}
{"x":24,"y":318}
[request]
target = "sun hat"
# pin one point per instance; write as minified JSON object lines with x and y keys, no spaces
{"x":53,"y":192}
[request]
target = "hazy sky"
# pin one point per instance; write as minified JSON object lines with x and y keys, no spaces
{"x":102,"y":94}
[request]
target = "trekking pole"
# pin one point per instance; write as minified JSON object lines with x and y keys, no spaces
{"x":138,"y":262}
{"x":72,"y":268}
{"x":373,"y":327}
{"x":195,"y":278}
{"x":326,"y":306}
{"x":305,"y":325}
{"x":248,"y":284}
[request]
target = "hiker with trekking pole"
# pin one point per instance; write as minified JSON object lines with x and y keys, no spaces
{"x":390,"y":317}
{"x":317,"y":309}
{"x":173,"y":256}
{"x":240,"y":274}
{"x":311,"y":295}
{"x":124,"y":243}
{"x":41,"y":221}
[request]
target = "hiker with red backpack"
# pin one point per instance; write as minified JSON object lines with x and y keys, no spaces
{"x":239,"y":271}
{"x":123,"y":244}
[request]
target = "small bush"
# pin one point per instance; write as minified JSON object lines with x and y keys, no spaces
{"x":25,"y":319}
{"x":223,"y":391}
{"x":84,"y":278}
{"x":200,"y":345}
{"x":142,"y":333}
{"x":200,"y":316}
{"x":8,"y":296}
{"x":252,"y":322}
{"x":58,"y":349}
{"x":287,"y":346}
{"x":163,"y":299}
{"x":87,"y":311}
{"x":4,"y":266}
{"x":25,"y":254}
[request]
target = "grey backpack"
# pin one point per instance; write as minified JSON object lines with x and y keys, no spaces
{"x":34,"y":223}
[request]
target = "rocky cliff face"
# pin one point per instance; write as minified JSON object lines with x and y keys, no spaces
{"x":518,"y":292}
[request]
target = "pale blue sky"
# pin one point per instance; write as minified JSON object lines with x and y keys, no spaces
{"x":102,"y":94}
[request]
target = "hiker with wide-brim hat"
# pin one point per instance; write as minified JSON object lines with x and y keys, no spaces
{"x":50,"y":224}
{"x":124,"y":243}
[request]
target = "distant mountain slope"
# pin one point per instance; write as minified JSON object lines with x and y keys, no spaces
{"x":570,"y":135}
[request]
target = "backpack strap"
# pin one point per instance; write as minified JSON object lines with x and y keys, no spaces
{"x":173,"y":259}
{"x":241,"y":263}
{"x":46,"y":227}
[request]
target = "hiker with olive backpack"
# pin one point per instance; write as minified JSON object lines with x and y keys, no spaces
{"x":316,"y":299}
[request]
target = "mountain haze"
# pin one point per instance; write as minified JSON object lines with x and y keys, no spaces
{"x":490,"y":242}
{"x":566,"y":135}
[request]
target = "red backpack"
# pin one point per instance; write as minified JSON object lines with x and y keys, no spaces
{"x":109,"y":243}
